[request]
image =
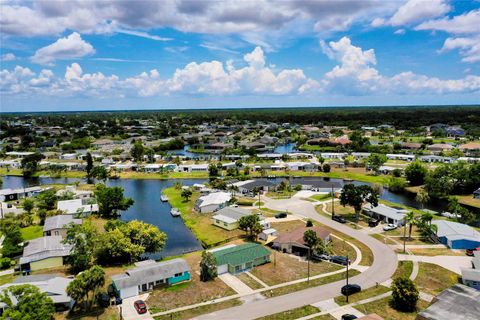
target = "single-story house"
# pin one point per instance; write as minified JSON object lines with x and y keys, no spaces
{"x":44,"y":252}
{"x":292,"y":242}
{"x":18,"y":154}
{"x":68,"y":156}
{"x":235,"y":259}
{"x":149,"y":274}
{"x":457,"y":235}
{"x":79,"y":194}
{"x":248,"y":186}
{"x":386,"y":213}
{"x":471,"y":278}
{"x":212,"y":202}
{"x":58,"y":225}
{"x":54,"y":286}
{"x":193,"y":167}
{"x":317,"y":185}
{"x":267,"y":233}
{"x":437,"y":159}
{"x":458,"y":302}
{"x":439,"y":147}
{"x":302,"y":166}
{"x":411,"y":145}
{"x":19,"y":193}
{"x":227,"y":218}
{"x":403,"y":157}
{"x":77,"y":206}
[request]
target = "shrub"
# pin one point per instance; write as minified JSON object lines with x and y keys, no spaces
{"x":404,"y":294}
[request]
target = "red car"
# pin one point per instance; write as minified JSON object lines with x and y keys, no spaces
{"x":469,"y":252}
{"x":140,"y":306}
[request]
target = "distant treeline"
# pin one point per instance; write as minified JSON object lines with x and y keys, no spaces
{"x":353,"y":117}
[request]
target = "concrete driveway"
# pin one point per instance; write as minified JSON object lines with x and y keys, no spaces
{"x":384,"y":265}
{"x":128,"y":310}
{"x":236,"y":284}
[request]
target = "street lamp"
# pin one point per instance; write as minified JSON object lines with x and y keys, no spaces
{"x":333,"y":203}
{"x":347,"y":276}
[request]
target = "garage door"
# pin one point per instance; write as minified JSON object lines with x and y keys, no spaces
{"x":222,"y":269}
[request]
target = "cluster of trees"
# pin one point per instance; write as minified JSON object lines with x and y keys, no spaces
{"x":121,"y":242}
{"x":84,"y":288}
{"x":110,"y":200}
{"x":356,"y":196}
{"x":29,"y":164}
{"x":456,"y":178}
{"x":251,"y":225}
{"x":26,"y":302}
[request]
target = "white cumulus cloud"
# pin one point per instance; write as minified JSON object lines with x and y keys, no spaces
{"x":69,"y":47}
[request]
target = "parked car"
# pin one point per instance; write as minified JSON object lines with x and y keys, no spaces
{"x":470,"y":252}
{"x":350,"y":289}
{"x":140,"y":306}
{"x":320,"y":257}
{"x":349,"y":317}
{"x":340,"y":260}
{"x":389,"y":227}
{"x":281,"y":215}
{"x":373,"y":223}
{"x":339,"y":219}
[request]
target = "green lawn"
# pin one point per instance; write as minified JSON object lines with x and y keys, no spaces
{"x":6,"y":278}
{"x":382,"y":307}
{"x":321,"y":197}
{"x":292,"y":314}
{"x":404,"y":269}
{"x":362,"y":295}
{"x":191,"y":313}
{"x":32,"y":232}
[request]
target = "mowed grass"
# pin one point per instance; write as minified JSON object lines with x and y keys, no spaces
{"x":284,"y":268}
{"x":433,"y":279}
{"x":292,"y":314}
{"x":194,"y":291}
{"x":31,"y":232}
{"x":382,"y":307}
{"x":249,"y":281}
{"x":194,"y":312}
{"x":362,"y":295}
{"x":404,"y":269}
{"x":200,"y":223}
{"x":312,"y":283}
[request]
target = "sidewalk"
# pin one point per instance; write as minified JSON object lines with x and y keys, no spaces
{"x":452,"y":263}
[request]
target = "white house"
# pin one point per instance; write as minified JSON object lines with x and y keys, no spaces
{"x":212,"y":202}
{"x":76,"y":206}
{"x":267,"y":233}
{"x":386,"y":213}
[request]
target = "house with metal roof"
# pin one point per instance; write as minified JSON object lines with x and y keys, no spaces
{"x":227,"y":218}
{"x":292,"y":242}
{"x":458,"y":302}
{"x":248,"y":186}
{"x":53,"y":285}
{"x":149,"y":274}
{"x":212,"y":202}
{"x":44,"y":252}
{"x":239,"y":258}
{"x":77,"y":206}
{"x":19,"y":193}
{"x":457,"y":235}
{"x":386,"y":213}
{"x":58,"y":225}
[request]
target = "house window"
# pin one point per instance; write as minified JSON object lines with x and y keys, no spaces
{"x":218,"y":221}
{"x":56,"y":233}
{"x":178,"y":274}
{"x":225,"y":224}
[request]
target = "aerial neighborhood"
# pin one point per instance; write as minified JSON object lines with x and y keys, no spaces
{"x":150,"y":215}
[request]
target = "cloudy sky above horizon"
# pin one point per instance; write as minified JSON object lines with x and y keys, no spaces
{"x":125,"y":54}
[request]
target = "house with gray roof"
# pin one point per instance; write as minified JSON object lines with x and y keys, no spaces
{"x":58,"y":225}
{"x":44,"y":252}
{"x":386,"y":213}
{"x":471,"y":276}
{"x":458,"y":302}
{"x":149,"y":274}
{"x":53,"y":285}
{"x":457,"y":235}
{"x":228,"y":217}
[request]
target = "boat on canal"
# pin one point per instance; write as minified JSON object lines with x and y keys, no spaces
{"x":175,"y":212}
{"x":164,"y":198}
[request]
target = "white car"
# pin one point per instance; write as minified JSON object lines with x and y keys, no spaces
{"x":389,"y":226}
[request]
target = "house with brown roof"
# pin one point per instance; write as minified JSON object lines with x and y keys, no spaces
{"x":411,"y":145}
{"x":470,"y":148}
{"x":439,"y":147}
{"x":292,"y":242}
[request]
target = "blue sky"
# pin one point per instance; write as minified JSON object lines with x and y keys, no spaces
{"x":97,"y":55}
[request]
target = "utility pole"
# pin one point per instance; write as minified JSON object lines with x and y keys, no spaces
{"x":404,"y":234}
{"x":347,"y":276}
{"x":333,"y":203}
{"x":308,"y":265}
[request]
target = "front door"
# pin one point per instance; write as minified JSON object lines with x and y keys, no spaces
{"x":144,"y":287}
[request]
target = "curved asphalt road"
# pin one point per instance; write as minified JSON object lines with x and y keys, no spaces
{"x":383,"y":267}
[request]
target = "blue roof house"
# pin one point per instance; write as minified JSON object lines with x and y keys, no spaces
{"x":457,"y":235}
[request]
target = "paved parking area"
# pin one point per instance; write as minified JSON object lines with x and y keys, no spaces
{"x":129,"y":312}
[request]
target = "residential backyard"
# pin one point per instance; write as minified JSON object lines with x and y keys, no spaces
{"x":433,"y":279}
{"x":382,"y":307}
{"x":194,"y":291}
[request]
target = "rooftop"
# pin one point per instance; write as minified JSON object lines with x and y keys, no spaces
{"x":59,"y":222}
{"x":43,"y":248}
{"x":454,"y":229}
{"x":240,"y":254}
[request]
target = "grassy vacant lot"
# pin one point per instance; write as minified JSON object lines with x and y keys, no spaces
{"x":287,"y":226}
{"x":194,"y":291}
{"x":434,"y":279}
{"x":292,"y":314}
{"x":404,"y":269}
{"x":31,"y":232}
{"x":312,"y":283}
{"x":346,"y":212}
{"x":199,"y":223}
{"x":321,"y":197}
{"x":435,"y":252}
{"x":191,"y":313}
{"x":284,"y":268}
{"x":382,"y":307}
{"x":469,"y":200}
{"x":249,"y":281}
{"x":364,"y":294}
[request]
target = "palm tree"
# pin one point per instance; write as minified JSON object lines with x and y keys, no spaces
{"x":422,"y":197}
{"x":427,"y":218}
{"x":411,"y":220}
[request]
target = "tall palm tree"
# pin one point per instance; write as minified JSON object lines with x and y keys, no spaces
{"x":411,"y":219}
{"x":427,"y":218}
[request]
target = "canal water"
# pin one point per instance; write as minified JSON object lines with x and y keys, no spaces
{"x":149,"y":208}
